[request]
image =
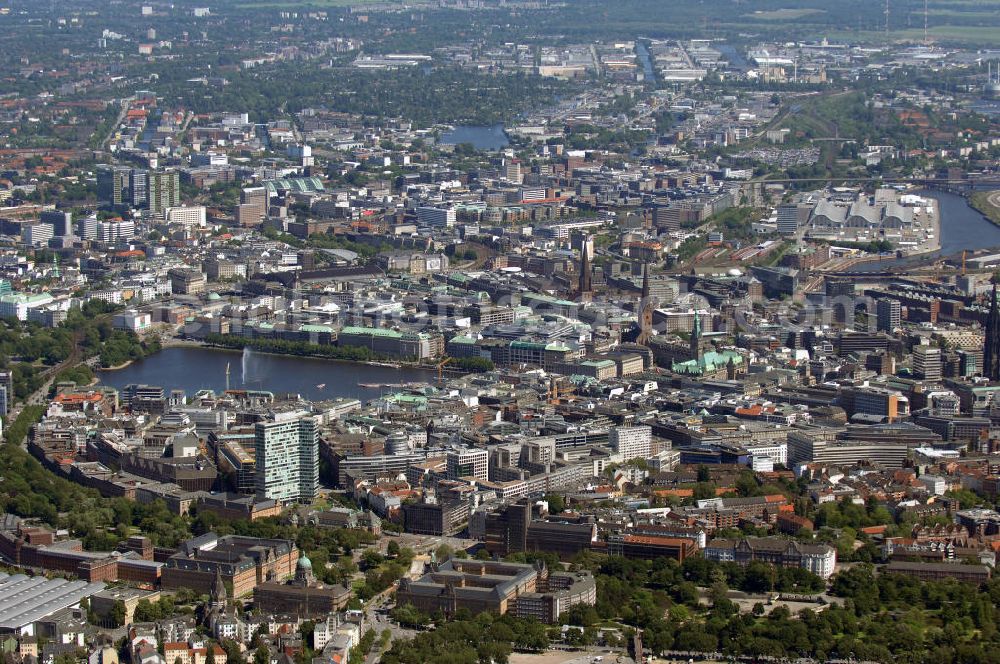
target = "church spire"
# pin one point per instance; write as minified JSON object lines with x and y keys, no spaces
{"x":219,"y":595}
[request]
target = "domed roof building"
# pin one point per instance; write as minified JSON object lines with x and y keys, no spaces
{"x":304,"y":572}
{"x":303,"y":595}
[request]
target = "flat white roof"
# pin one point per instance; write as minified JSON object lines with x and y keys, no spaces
{"x":25,"y":600}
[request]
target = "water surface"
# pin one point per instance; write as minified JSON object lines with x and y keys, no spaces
{"x":193,"y":369}
{"x":482,"y":138}
{"x":962,"y":228}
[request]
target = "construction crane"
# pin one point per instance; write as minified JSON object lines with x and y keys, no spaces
{"x":557,"y":390}
{"x":440,"y":368}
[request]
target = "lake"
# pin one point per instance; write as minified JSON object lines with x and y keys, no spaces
{"x":192,"y":369}
{"x":482,"y":138}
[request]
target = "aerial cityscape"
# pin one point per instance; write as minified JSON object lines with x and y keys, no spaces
{"x":499,"y":331}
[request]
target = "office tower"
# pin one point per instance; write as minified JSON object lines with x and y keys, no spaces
{"x":540,"y":451}
{"x":888,"y":315}
{"x":253,"y":206}
{"x":969,"y":363}
{"x":307,"y":259}
{"x":667,"y":218}
{"x":471,"y":462}
{"x":927,"y":363}
{"x":164,"y":191}
{"x":61,"y":222}
{"x":139,"y":183}
{"x":113,"y":184}
{"x":991,"y":353}
{"x":532,"y":194}
{"x":7,"y":388}
{"x":287,"y":457}
{"x":86,"y":228}
{"x":36,"y":235}
{"x":877,"y":401}
{"x":507,"y":528}
{"x":513,"y":172}
{"x":186,"y":216}
{"x":397,"y":442}
{"x":303,"y":153}
{"x":436,"y":217}
{"x":788,"y":219}
{"x":839,"y":287}
{"x":106,"y":184}
{"x":147,"y":398}
{"x":631,"y":442}
{"x":112,"y":231}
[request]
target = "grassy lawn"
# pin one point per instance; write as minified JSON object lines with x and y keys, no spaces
{"x":984,"y":16}
{"x":970,"y":36}
{"x":783,"y":14}
{"x":983,"y":201}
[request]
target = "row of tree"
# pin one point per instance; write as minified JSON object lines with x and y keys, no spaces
{"x":302,"y":348}
{"x":470,"y":640}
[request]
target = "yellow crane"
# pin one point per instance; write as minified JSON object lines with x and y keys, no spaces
{"x":440,"y":368}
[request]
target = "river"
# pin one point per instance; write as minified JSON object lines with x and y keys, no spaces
{"x":193,"y":369}
{"x":962,"y":228}
{"x":481,"y":138}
